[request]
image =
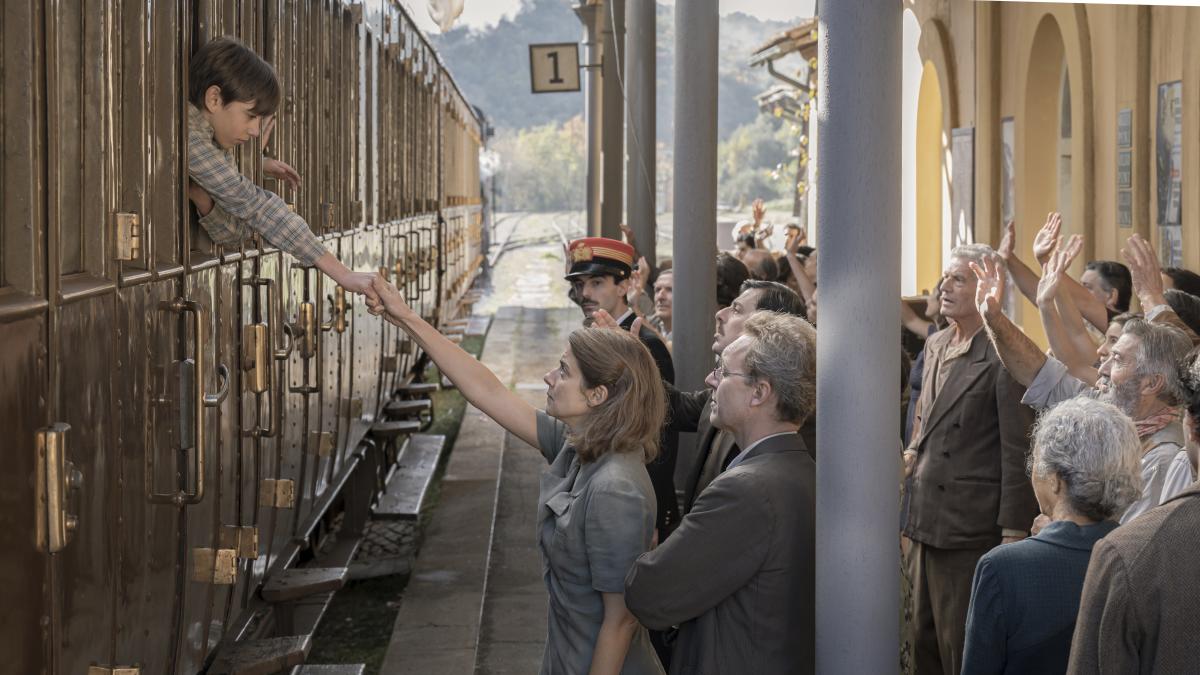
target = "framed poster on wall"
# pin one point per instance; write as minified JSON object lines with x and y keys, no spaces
{"x":962,"y":187}
{"x":1168,"y":158}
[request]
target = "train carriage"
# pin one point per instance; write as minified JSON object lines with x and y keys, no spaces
{"x":184,"y":419}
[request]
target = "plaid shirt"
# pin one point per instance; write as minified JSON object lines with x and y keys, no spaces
{"x":241,"y":207}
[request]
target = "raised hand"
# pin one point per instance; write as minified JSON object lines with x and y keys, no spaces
{"x":627,"y":232}
{"x":764,"y":233}
{"x":1051,"y":277}
{"x":1047,"y":237}
{"x":1008,"y":241}
{"x":1145,"y":270}
{"x":602,"y":319}
{"x":758,"y":211}
{"x":989,"y":292}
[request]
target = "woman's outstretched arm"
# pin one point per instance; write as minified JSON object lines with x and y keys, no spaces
{"x":476,"y":382}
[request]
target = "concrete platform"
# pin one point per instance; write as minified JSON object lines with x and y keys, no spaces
{"x":476,"y":601}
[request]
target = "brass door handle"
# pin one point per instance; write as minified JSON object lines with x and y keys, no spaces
{"x":193,"y":370}
{"x":337,"y":311}
{"x":56,"y":477}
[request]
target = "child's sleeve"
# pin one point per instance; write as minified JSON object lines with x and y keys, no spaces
{"x":240,"y":199}
{"x":223,"y":228}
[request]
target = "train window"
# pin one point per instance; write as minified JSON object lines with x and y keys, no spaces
{"x":76,"y":121}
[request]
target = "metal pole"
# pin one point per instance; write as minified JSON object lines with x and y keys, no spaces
{"x":612,"y":137}
{"x":695,"y":240}
{"x":858,"y":419}
{"x":589,"y":16}
{"x":640,"y":137}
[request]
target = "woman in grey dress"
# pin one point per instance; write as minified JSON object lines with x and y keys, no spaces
{"x":596,"y":508}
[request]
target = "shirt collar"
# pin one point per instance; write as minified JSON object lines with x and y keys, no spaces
{"x":1069,"y":535}
{"x":742,"y":455}
{"x":624,"y":316}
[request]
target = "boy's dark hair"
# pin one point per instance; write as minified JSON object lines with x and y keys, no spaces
{"x":241,"y":74}
{"x":776,"y":297}
{"x":731,"y":272}
{"x":1115,"y":275}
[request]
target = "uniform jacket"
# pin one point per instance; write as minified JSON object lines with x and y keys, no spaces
{"x":737,"y":575}
{"x":1141,"y":600}
{"x":662,"y":469}
{"x":969,"y":481}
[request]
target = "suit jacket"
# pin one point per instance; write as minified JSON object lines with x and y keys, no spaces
{"x":737,"y":575}
{"x":969,"y":481}
{"x":1141,"y":603}
{"x":662,"y":469}
{"x":690,"y":412}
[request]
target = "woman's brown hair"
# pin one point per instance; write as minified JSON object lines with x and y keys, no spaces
{"x":631,"y":417}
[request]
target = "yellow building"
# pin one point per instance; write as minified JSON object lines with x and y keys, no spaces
{"x":1083,"y":109}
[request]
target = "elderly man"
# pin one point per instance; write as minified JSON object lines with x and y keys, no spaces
{"x":1140,"y":605}
{"x":1139,"y":377}
{"x":737,"y":575}
{"x":600,"y":277}
{"x":967,"y":461}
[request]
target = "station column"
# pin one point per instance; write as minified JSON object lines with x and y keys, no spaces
{"x":612,"y":135}
{"x":858,"y":343}
{"x":640,"y":139}
{"x":695,"y":176}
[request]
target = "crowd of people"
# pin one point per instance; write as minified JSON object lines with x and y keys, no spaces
{"x":1049,"y":501}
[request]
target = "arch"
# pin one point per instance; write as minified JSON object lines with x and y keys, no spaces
{"x":1059,"y":34}
{"x":932,"y":192}
{"x":929,"y":115}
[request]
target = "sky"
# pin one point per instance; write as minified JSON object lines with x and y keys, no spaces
{"x":480,"y":13}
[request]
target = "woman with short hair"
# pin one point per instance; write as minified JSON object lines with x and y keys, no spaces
{"x":1086,"y":470}
{"x":605,"y":405}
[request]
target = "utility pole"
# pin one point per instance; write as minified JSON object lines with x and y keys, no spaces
{"x":589,"y":16}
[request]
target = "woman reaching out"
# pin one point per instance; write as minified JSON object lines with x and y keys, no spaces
{"x":596,"y":507}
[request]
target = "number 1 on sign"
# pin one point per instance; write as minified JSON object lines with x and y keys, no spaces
{"x":553,"y":56}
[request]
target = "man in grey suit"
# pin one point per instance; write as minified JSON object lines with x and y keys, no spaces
{"x":737,"y":574}
{"x":969,"y":490}
{"x":689,"y":411}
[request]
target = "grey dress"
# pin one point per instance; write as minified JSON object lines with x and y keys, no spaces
{"x":594,"y":520}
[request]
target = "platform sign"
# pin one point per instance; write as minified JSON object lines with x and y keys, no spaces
{"x":554,"y":67}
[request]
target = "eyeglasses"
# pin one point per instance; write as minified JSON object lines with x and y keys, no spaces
{"x":721,"y":372}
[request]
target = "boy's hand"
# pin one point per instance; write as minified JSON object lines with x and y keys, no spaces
{"x":199,"y":197}
{"x":281,"y":171}
{"x":357,"y":282}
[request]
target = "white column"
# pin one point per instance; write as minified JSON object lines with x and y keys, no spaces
{"x":640,"y":136}
{"x":858,"y":343}
{"x":695,"y":240}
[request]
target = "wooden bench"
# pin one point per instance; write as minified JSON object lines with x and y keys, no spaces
{"x":408,"y":484}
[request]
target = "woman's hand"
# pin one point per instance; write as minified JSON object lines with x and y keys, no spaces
{"x":1047,"y":238}
{"x":383,"y":296}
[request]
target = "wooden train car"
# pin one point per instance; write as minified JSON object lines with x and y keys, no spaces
{"x":182,"y":418}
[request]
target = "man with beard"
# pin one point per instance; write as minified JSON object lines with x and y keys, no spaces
{"x":1139,"y":377}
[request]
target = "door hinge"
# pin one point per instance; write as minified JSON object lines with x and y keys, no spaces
{"x":277,"y":493}
{"x":352,"y":407}
{"x":217,"y":566}
{"x":243,"y":541}
{"x":388,"y":365}
{"x":128,"y":232}
{"x":56,"y":477}
{"x":114,"y":670}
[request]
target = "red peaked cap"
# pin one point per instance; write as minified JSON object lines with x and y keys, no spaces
{"x":593,"y":256}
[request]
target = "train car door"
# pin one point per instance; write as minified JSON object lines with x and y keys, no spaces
{"x":26,"y":522}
